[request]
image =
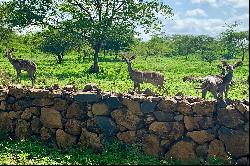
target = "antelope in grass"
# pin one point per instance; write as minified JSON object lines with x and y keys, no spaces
{"x":219,"y":85}
{"x":139,"y":77}
{"x":20,"y":64}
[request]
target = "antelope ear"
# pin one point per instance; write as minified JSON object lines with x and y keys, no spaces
{"x":239,"y":63}
{"x":132,"y":57}
{"x":224,"y":63}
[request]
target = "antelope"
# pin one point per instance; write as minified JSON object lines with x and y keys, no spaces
{"x":219,"y":85}
{"x":139,"y":77}
{"x":20,"y":64}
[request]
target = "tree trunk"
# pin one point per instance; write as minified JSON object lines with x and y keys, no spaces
{"x":95,"y":68}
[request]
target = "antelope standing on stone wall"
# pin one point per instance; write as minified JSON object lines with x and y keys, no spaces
{"x":139,"y":77}
{"x":20,"y":64}
{"x":219,"y":85}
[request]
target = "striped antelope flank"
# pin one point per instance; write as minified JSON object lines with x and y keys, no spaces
{"x":20,"y":64}
{"x":219,"y":85}
{"x":139,"y":77}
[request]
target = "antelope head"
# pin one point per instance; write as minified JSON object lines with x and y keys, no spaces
{"x":229,"y":67}
{"x":128,"y":59}
{"x":8,"y":52}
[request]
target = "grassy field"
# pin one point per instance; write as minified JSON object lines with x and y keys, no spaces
{"x":27,"y":152}
{"x":114,"y":74}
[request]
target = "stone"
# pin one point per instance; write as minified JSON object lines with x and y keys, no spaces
{"x":41,"y":102}
{"x":236,"y":141}
{"x":45,"y":134}
{"x":74,"y":111}
{"x":70,"y":88}
{"x":178,"y":118}
{"x":241,"y":107}
{"x":5,"y":122}
{"x":177,"y":130}
{"x":151,"y":145}
{"x":64,"y":140}
{"x":22,"y":129}
{"x":51,"y":118}
{"x":167,"y":105}
{"x":230,"y":118}
{"x":201,"y":137}
{"x":246,"y":127}
{"x":160,"y":128}
{"x":2,"y":105}
{"x":204,"y":108}
{"x":216,"y":148}
{"x":198,"y":123}
{"x":11,"y":100}
{"x":26,"y":115}
{"x":164,"y":116}
{"x":14,"y":115}
{"x":126,"y":119}
{"x":127,"y":136}
{"x":242,"y":161}
{"x":18,"y":92}
{"x":36,"y":125}
{"x":107,"y":125}
{"x":35,"y":111}
{"x":132,"y":106}
{"x":100,"y":109}
{"x":60,"y":104}
{"x":73,"y":127}
{"x":184,"y":107}
{"x":202,"y":150}
{"x":182,"y":150}
{"x":148,"y":106}
{"x":91,"y":140}
{"x":149,"y":119}
{"x":86,"y":97}
{"x":113,"y":102}
{"x":39,"y":93}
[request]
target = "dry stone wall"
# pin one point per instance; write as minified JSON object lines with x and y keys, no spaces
{"x":181,"y":127}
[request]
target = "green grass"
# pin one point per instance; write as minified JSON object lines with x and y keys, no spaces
{"x":114,"y":75}
{"x":27,"y":152}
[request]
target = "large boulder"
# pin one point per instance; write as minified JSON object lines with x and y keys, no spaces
{"x":230,"y":118}
{"x":151,"y":145}
{"x":73,"y":127}
{"x":74,"y":111}
{"x":91,"y":140}
{"x":107,"y":125}
{"x":167,"y":105}
{"x":60,"y":104}
{"x":182,"y":151}
{"x":126,"y":118}
{"x":236,"y":141}
{"x":184,"y":107}
{"x":100,"y":109}
{"x":133,"y":106}
{"x":204,"y":108}
{"x":127,"y":136}
{"x":22,"y":129}
{"x":217,"y":148}
{"x":198,"y":123}
{"x":36,"y":125}
{"x":5,"y":122}
{"x":51,"y":118}
{"x":201,"y":137}
{"x":64,"y":140}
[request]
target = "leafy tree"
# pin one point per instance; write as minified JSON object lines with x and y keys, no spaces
{"x":95,"y":20}
{"x":234,"y":41}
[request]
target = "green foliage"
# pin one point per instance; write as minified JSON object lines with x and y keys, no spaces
{"x":28,"y":152}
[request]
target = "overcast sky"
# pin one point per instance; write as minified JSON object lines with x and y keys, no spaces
{"x":205,"y":16}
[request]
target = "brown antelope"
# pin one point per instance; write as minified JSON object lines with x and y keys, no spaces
{"x":219,"y":85}
{"x":139,"y":77}
{"x":20,"y":64}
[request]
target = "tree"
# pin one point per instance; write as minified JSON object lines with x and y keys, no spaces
{"x":95,"y":20}
{"x":234,"y":41}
